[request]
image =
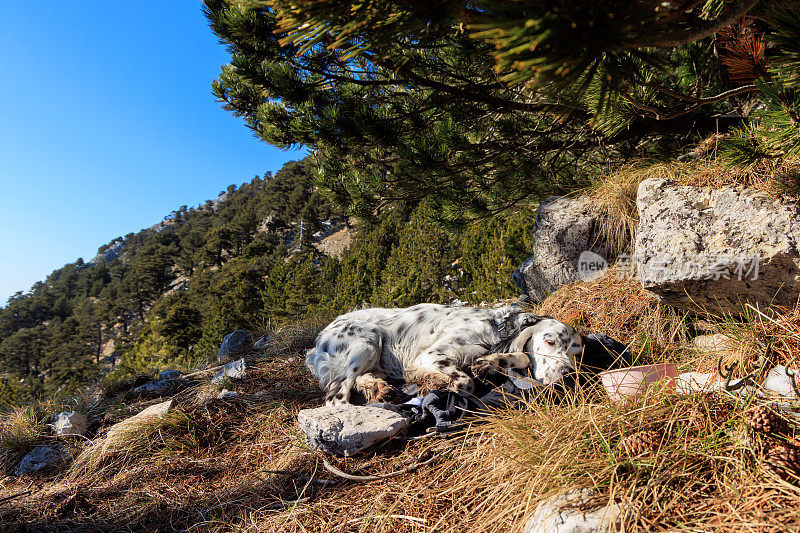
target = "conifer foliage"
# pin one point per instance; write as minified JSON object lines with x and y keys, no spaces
{"x":484,"y":105}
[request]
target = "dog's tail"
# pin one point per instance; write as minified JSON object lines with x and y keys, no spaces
{"x":319,"y":363}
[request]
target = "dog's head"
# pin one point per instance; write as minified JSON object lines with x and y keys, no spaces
{"x":551,"y":346}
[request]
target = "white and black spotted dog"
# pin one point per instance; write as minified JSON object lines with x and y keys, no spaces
{"x":435,"y":344}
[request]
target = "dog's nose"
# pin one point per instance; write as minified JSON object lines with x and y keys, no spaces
{"x":553,"y":374}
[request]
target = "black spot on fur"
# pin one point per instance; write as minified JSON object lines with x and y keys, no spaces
{"x":325,"y":347}
{"x":503,"y":363}
{"x":340,"y":396}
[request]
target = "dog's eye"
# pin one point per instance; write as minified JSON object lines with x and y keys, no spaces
{"x":550,"y":342}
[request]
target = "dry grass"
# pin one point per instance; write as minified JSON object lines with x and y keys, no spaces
{"x":705,"y":477}
{"x":21,"y":429}
{"x":241,"y":465}
{"x":618,"y":306}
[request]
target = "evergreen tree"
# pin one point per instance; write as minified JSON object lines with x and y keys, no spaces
{"x":485,"y":105}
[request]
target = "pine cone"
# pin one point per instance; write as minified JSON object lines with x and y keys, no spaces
{"x":783,"y":461}
{"x":641,"y":442}
{"x":765,"y":420}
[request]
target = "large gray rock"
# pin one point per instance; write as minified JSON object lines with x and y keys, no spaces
{"x":70,"y":423}
{"x":565,"y":228}
{"x":169,"y":374}
{"x":563,"y":515}
{"x":161,"y":386}
{"x":43,"y":458}
{"x":233,"y":370}
{"x":716,"y":248}
{"x":235,"y":343}
{"x":348,"y":429}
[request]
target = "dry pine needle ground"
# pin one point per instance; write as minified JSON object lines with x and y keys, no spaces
{"x":241,"y":465}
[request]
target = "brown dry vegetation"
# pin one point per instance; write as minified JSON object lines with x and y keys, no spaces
{"x":618,"y":306}
{"x":241,"y":465}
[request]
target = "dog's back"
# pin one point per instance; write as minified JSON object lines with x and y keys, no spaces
{"x":388,"y":341}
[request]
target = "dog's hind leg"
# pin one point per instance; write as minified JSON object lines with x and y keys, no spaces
{"x":437,"y":367}
{"x":361,"y":356}
{"x":374,"y":387}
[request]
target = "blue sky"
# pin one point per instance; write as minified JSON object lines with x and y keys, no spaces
{"x":107,"y":124}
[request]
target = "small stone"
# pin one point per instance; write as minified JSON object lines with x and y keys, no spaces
{"x":157,"y":410}
{"x":348,"y":429}
{"x":169,"y":374}
{"x":562,"y":514}
{"x":227,"y":394}
{"x":233,"y":370}
{"x":154,"y":387}
{"x":42,"y":458}
{"x":235,"y":343}
{"x":70,"y":423}
{"x":262,"y":343}
{"x":779,"y":382}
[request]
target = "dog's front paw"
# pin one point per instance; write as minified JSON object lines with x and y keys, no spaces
{"x":483,"y":367}
{"x":462,"y":385}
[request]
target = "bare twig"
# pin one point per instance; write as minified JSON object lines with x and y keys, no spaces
{"x":17,"y":495}
{"x":727,"y":375}
{"x":398,"y":516}
{"x":410,"y":468}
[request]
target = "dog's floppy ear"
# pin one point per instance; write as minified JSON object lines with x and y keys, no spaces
{"x":517,"y":323}
{"x":518,"y":344}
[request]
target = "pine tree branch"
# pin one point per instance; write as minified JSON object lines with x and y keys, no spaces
{"x":463,"y":92}
{"x":689,"y":35}
{"x":659,"y":114}
{"x":705,"y":100}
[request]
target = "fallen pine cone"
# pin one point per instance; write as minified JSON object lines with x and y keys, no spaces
{"x":783,"y":460}
{"x":765,"y":420}
{"x":641,"y":442}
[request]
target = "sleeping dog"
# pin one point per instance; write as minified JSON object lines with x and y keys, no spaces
{"x":436,"y":344}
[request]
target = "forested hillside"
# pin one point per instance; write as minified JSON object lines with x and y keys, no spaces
{"x":250,"y":259}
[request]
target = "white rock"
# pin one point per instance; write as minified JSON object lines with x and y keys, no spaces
{"x":154,"y":411}
{"x":690,"y":382}
{"x":233,"y":370}
{"x":561,"y":515}
{"x":348,"y":429}
{"x":42,"y":457}
{"x":717,"y":248}
{"x":777,"y":382}
{"x":70,"y":423}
